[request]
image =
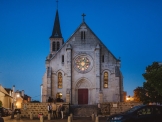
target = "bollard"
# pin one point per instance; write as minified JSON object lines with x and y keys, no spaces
{"x":97,"y":119}
{"x":69,"y":118}
{"x":71,"y":115}
{"x":41,"y":118}
{"x":31,"y":115}
{"x":49,"y":116}
{"x":93,"y":117}
{"x":18,"y":116}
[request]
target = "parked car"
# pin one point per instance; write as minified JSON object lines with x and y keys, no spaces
{"x":17,"y":111}
{"x":141,"y":113}
{"x":3,"y":111}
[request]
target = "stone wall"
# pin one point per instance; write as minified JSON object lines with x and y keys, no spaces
{"x":36,"y":108}
{"x":104,"y":109}
{"x":116,"y":107}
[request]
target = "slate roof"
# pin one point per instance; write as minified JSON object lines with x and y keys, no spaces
{"x":56,"y":33}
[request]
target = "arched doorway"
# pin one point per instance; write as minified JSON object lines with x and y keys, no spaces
{"x":83,"y":87}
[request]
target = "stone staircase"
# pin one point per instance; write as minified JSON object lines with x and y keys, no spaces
{"x":83,"y":110}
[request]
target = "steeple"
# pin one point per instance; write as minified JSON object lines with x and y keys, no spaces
{"x":56,"y":33}
{"x":56,"y":39}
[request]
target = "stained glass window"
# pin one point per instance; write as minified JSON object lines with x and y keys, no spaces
{"x":82,"y":63}
{"x":59,"y":95}
{"x":60,"y":80}
{"x":105,"y":80}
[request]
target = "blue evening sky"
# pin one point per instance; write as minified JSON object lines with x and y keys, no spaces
{"x":130,"y":29}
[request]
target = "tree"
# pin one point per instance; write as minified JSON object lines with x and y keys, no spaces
{"x":152,"y":88}
{"x":138,"y":94}
{"x":153,"y":76}
{"x":1,"y":103}
{"x":151,"y":95}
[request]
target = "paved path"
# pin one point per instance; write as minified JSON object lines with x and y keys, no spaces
{"x":76,"y":119}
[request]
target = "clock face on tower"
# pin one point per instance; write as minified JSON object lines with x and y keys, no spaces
{"x":83,"y":63}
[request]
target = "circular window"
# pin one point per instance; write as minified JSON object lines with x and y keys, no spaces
{"x":83,"y":63}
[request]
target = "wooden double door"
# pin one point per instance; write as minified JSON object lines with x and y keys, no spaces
{"x":82,"y":96}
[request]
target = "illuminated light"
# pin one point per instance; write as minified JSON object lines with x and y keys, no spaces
{"x":17,"y":95}
{"x":127,"y":98}
{"x":82,"y":63}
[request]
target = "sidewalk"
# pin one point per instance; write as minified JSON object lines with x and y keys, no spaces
{"x":76,"y":119}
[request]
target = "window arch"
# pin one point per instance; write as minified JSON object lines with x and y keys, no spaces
{"x":103,"y":58}
{"x":58,"y":45}
{"x":105,"y":79}
{"x":83,"y":35}
{"x":60,"y":80}
{"x":53,"y":46}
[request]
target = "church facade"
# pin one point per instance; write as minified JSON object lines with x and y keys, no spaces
{"x":82,"y":70}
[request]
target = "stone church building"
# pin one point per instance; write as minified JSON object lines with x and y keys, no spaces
{"x":81,"y":70}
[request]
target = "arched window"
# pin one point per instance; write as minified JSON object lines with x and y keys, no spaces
{"x":60,"y":80}
{"x":59,"y":95}
{"x":62,"y":58}
{"x":82,"y":35}
{"x":58,"y":45}
{"x":105,"y":80}
{"x":103,"y":59}
{"x":53,"y":46}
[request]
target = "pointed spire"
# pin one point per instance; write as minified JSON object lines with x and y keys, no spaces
{"x":56,"y":29}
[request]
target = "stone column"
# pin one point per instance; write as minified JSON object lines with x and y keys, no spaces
{"x":97,"y":67}
{"x":49,"y":70}
{"x":101,"y":97}
{"x":68,"y":98}
{"x":69,"y":70}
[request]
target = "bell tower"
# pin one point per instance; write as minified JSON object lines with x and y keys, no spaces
{"x":56,"y":39}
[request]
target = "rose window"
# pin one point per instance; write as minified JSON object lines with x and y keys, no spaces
{"x":82,"y":63}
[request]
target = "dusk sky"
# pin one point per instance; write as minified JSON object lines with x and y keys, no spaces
{"x":130,"y":29}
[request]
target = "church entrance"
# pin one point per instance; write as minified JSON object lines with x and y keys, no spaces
{"x":82,"y":96}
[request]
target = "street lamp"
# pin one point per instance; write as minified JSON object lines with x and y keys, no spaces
{"x":127,"y":98}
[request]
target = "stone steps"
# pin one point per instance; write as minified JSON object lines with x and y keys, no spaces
{"x":83,"y":110}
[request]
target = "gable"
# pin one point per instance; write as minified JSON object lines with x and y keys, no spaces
{"x":87,"y":44}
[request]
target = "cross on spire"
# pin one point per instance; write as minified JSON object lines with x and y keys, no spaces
{"x":83,"y":15}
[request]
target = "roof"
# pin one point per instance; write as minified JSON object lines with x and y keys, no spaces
{"x":26,"y":97}
{"x":83,"y":23}
{"x":8,"y":90}
{"x":56,"y":33}
{"x":3,"y":91}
